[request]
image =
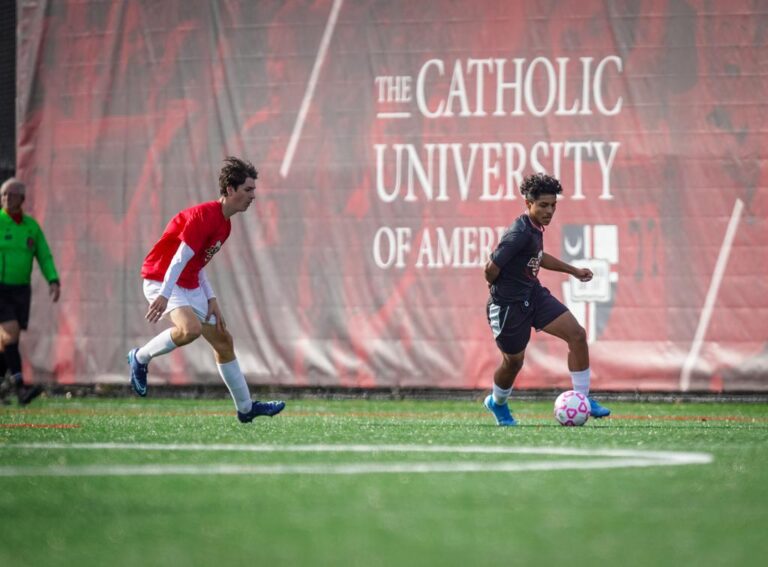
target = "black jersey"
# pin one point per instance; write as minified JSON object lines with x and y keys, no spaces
{"x":518,"y":256}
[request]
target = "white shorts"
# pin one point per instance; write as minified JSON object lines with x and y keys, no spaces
{"x":181,"y":297}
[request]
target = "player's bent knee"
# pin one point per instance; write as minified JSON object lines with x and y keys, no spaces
{"x":189,"y":333}
{"x":513,"y":362}
{"x":579,"y":335}
{"x":9,"y":333}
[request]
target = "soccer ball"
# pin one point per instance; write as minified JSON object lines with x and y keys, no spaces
{"x":572,"y":408}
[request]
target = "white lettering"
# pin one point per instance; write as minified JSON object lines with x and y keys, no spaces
{"x":457,"y":90}
{"x":480,"y":65}
{"x":458,"y":247}
{"x":551,"y":84}
{"x":486,"y":171}
{"x":538,"y":87}
{"x":421,"y":101}
{"x":385,"y":195}
{"x":562,"y":84}
{"x":605,"y":166}
{"x":597,"y":87}
{"x":577,"y":148}
{"x":390,"y":246}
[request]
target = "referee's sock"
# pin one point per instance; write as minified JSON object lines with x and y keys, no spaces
{"x":5,"y":387}
{"x":13,"y":363}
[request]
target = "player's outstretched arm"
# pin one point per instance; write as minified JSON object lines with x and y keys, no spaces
{"x":549,"y":262}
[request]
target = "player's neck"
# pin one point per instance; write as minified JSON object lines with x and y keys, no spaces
{"x":535,"y":223}
{"x":226,"y":209}
{"x":17,"y":215}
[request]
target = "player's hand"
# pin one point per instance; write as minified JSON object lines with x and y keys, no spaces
{"x":213,"y":309}
{"x":583,"y":274}
{"x":156,"y":309}
{"x":54,"y":290}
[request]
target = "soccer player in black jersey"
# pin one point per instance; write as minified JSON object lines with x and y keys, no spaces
{"x":518,"y":301}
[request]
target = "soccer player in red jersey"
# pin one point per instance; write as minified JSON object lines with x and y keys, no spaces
{"x":175,"y":284}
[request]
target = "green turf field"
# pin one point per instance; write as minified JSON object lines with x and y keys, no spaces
{"x":374,"y":483}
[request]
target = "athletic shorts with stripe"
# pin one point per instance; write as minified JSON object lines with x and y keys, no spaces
{"x":511,"y":324}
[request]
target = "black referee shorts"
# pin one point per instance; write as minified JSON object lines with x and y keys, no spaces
{"x":14,"y":303}
{"x":511,"y":324}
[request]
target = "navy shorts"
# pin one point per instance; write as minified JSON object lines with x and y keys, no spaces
{"x":511,"y":324}
{"x":14,"y":304}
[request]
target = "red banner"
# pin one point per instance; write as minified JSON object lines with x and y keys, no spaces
{"x":391,"y":139}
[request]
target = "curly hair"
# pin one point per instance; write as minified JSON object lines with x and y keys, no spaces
{"x":534,"y":186}
{"x":235,"y":172}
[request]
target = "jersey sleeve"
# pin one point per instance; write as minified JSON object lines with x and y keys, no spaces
{"x":195,"y":231}
{"x":179,"y":261}
{"x":509,"y":246}
{"x":44,"y":257}
{"x":205,"y":284}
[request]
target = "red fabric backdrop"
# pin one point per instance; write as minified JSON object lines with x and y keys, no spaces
{"x":390,"y":139}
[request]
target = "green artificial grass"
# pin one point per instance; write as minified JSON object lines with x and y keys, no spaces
{"x":304,"y":511}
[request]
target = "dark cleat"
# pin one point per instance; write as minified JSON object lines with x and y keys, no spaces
{"x":26,"y":394}
{"x":138,"y":374}
{"x":260,"y":408}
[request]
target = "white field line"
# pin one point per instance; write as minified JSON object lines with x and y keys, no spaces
{"x":709,"y":301}
{"x":600,"y":459}
{"x":309,"y":93}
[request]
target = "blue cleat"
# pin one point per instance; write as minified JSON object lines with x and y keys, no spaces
{"x":500,"y":412}
{"x":138,"y":374}
{"x":261,"y":408}
{"x":597,"y":410}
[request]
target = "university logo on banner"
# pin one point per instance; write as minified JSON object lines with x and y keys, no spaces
{"x":595,"y":247}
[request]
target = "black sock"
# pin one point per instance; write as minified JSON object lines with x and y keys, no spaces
{"x":13,"y":362}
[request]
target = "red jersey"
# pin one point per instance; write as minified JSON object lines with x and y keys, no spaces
{"x":203,"y":228}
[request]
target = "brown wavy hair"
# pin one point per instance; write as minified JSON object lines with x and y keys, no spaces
{"x":235,"y":172}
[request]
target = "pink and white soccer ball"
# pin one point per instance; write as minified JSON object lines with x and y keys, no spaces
{"x":572,"y":408}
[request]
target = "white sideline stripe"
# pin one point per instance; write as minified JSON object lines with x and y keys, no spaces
{"x":709,"y":302}
{"x":606,"y":459}
{"x":297,"y":127}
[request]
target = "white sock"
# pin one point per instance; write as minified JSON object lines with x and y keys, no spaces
{"x":238,"y":387}
{"x":161,"y":344}
{"x":500,"y":396}
{"x":580,"y":380}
